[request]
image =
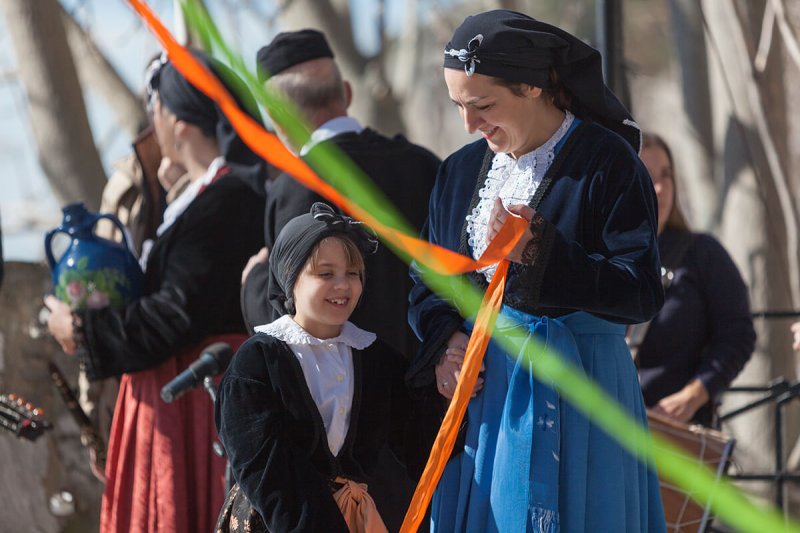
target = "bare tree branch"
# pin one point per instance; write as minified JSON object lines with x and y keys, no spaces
{"x":95,"y":70}
{"x":60,"y":126}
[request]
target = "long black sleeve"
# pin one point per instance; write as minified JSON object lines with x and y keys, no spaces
{"x":191,"y":285}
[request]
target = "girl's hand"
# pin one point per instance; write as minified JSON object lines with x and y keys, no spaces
{"x":60,"y":323}
{"x":448,"y":370}
{"x":498,"y":217}
{"x":682,"y":405}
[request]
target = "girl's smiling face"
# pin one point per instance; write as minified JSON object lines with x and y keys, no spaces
{"x":328,"y":288}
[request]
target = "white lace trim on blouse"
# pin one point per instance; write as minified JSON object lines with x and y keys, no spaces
{"x":287,"y":330}
{"x":515,"y":181}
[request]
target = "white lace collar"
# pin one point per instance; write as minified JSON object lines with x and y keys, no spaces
{"x":514,"y":181}
{"x":287,"y":330}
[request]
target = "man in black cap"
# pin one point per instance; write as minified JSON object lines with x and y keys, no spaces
{"x":300,"y":65}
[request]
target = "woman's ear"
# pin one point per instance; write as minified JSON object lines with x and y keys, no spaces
{"x":533,"y":91}
{"x":180,"y":129}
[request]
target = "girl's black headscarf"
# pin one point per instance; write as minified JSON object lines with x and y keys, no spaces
{"x":297,"y":240}
{"x":517,"y":48}
{"x":191,"y":105}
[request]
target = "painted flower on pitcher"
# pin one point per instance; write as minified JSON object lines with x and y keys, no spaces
{"x":97,"y":300}
{"x":76,"y":291}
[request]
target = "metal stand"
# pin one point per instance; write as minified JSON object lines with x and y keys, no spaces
{"x":211,"y":389}
{"x":778,"y":392}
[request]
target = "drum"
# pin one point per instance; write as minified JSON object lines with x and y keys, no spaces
{"x":712,"y":449}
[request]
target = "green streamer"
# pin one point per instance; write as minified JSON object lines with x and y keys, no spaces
{"x":336,"y":168}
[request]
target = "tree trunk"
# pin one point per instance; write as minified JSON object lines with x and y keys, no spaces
{"x":67,"y":152}
{"x":95,"y":71}
{"x":374,"y":101}
{"x":759,"y":221}
{"x":689,"y":38}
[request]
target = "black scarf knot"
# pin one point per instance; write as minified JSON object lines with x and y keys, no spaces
{"x":361,"y":234}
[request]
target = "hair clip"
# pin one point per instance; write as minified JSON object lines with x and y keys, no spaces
{"x":468,"y":55}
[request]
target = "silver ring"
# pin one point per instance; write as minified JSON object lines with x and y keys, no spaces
{"x":445,"y":384}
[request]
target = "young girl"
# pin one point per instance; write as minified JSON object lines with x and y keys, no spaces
{"x":308,"y":402}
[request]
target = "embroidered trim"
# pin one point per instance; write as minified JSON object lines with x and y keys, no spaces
{"x":78,"y":333}
{"x":287,"y":330}
{"x":515,"y":182}
{"x":533,"y":247}
{"x":545,"y":520}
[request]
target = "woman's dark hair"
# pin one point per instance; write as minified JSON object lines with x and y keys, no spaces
{"x":561,"y":96}
{"x":675,"y":219}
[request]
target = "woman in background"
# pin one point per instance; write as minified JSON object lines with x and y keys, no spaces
{"x":703,"y":336}
{"x":162,"y":474}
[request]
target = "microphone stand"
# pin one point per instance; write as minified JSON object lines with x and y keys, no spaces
{"x":211,"y":388}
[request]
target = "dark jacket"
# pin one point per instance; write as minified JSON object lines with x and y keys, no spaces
{"x":704,"y":331}
{"x":191,"y":285}
{"x":276,"y":441}
{"x":597,"y":251}
{"x":404,"y":172}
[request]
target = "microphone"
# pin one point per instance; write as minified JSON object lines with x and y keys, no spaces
{"x":214,"y":360}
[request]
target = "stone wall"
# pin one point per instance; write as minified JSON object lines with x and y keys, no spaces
{"x":32,"y":473}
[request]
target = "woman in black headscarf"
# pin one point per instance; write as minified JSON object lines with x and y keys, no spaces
{"x":161,"y":471}
{"x":559,"y":149}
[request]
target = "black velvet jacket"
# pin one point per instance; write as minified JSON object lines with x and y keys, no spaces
{"x":275,"y":437}
{"x":191,"y":286}
{"x":405,"y":173}
{"x":596,"y":226}
{"x":704,"y":330}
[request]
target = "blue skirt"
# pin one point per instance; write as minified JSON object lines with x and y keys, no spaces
{"x":533,"y":463}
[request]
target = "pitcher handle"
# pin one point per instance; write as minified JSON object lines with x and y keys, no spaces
{"x":48,"y":250}
{"x":127,"y":240}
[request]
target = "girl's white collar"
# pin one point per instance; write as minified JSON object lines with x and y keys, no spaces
{"x":287,"y":330}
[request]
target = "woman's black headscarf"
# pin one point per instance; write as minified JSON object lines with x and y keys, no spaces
{"x":191,"y":105}
{"x":297,"y":240}
{"x":517,"y":48}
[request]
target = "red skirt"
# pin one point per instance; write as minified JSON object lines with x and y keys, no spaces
{"x":162,"y":474}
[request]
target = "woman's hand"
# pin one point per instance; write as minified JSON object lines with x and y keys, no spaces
{"x":796,"y":333}
{"x":169,"y":172}
{"x":60,"y":323}
{"x":498,"y":217}
{"x":682,"y":405}
{"x":448,"y":370}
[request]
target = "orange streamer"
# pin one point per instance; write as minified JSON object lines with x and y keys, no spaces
{"x":446,"y":438}
{"x":269,"y":147}
{"x":435,"y":257}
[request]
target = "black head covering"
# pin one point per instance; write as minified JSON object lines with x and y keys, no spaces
{"x":517,"y":48}
{"x":291,"y":48}
{"x":191,"y":105}
{"x":296,"y":241}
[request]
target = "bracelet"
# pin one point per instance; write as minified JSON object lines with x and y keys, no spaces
{"x":78,"y":333}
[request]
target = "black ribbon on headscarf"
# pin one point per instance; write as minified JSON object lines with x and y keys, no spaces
{"x":517,"y":48}
{"x":297,"y":240}
{"x":191,"y":105}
